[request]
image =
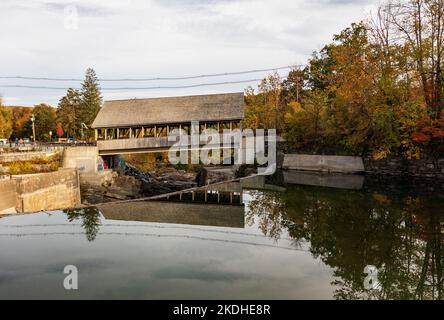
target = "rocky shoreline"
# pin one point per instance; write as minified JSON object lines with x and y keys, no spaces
{"x":132,"y":183}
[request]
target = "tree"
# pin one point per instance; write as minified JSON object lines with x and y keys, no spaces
{"x":68,"y":113}
{"x":305,"y":123}
{"x":264,"y":109}
{"x":5,"y":121}
{"x":20,"y":116}
{"x":91,"y":99}
{"x":45,"y":121}
{"x":420,"y":24}
{"x":59,"y":130}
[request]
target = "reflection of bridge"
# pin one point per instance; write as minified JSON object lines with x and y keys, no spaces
{"x":176,"y":212}
{"x":143,"y":125}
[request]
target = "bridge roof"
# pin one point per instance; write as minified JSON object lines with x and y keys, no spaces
{"x":139,"y":112}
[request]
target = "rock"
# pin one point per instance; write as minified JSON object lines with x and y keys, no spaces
{"x":201,"y":177}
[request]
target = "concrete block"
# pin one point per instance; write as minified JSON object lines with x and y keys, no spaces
{"x":340,"y":181}
{"x":85,"y":158}
{"x":321,"y":163}
{"x":8,"y":198}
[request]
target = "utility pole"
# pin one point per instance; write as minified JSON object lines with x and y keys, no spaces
{"x":33,"y":128}
{"x":83,"y":125}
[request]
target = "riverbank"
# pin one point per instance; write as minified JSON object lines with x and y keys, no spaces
{"x":427,"y":168}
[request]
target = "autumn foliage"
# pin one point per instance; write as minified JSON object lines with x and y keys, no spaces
{"x":377,"y":88}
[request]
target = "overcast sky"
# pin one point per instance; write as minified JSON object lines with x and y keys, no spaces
{"x":160,"y":38}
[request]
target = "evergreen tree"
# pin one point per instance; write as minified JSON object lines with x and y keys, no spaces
{"x":91,"y":100}
{"x":68,"y":113}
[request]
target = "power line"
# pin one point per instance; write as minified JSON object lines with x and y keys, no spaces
{"x":19,"y":86}
{"x":155,"y":235}
{"x":149,"y":79}
{"x":149,"y":226}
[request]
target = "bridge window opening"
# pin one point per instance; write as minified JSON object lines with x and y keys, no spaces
{"x":101,"y":134}
{"x":236,"y":125}
{"x":186,"y":128}
{"x":138,"y":133}
{"x":224,"y":126}
{"x":213,"y":196}
{"x":149,"y":132}
{"x":174,"y":127}
{"x":162,"y":131}
{"x":111,"y":134}
{"x":213,"y":125}
{"x":200,"y":196}
{"x":124,"y":133}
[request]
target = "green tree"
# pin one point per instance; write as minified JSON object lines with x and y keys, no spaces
{"x":45,"y":122}
{"x":91,"y":100}
{"x":5,"y":121}
{"x":68,"y":113}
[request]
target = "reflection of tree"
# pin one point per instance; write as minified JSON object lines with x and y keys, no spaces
{"x":349,"y":230}
{"x":90,"y":220}
{"x":267,"y":208}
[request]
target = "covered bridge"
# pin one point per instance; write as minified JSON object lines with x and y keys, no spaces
{"x":140,"y":125}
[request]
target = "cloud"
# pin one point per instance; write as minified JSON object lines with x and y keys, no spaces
{"x":139,"y":38}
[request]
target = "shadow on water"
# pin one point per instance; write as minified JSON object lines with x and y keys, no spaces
{"x":393,"y":226}
{"x":398,"y":230}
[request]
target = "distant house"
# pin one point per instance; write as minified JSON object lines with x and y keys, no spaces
{"x":156,"y":117}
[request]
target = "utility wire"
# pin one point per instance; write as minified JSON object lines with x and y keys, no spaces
{"x":134,"y":88}
{"x":149,"y":79}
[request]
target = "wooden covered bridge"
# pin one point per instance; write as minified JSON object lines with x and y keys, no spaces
{"x":143,"y":125}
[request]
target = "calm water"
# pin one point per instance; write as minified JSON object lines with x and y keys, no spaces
{"x":296,"y":243}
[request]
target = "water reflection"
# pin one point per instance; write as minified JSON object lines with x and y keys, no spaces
{"x":281,"y":240}
{"x":90,"y":218}
{"x":402,"y":235}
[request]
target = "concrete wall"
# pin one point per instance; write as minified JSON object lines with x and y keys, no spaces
{"x":37,"y":192}
{"x":335,"y":180}
{"x":321,"y":163}
{"x":8,"y":196}
{"x":84,"y":159}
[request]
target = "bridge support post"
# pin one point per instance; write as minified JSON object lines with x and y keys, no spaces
{"x":96,"y":134}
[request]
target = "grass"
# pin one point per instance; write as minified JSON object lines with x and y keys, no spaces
{"x":36,"y":165}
